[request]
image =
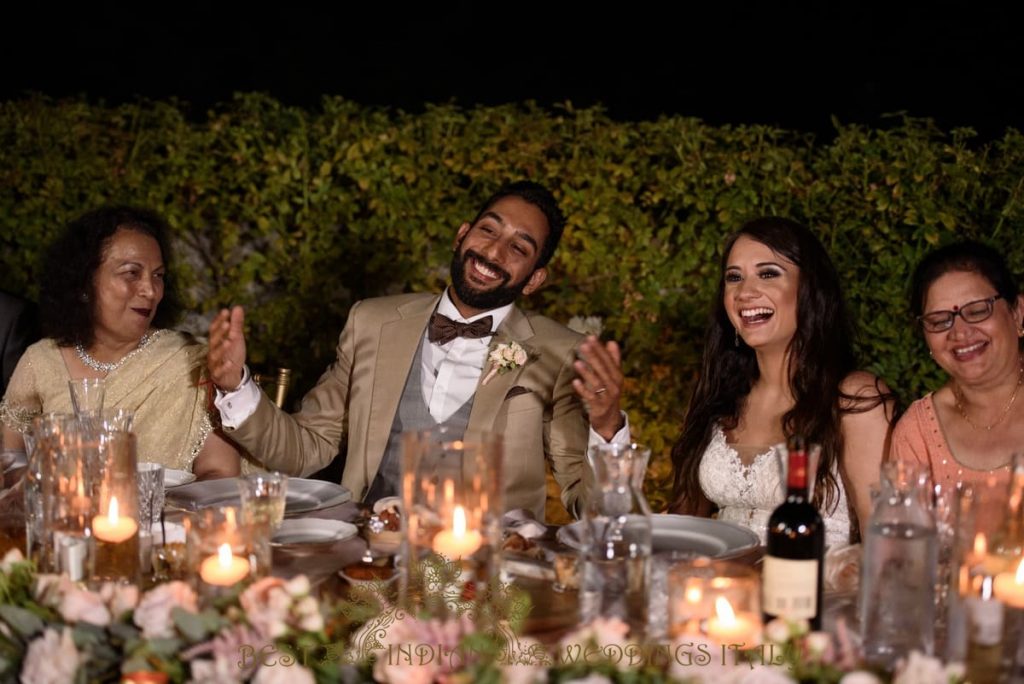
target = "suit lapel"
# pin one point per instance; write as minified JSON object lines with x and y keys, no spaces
{"x":490,"y":397}
{"x":399,"y":340}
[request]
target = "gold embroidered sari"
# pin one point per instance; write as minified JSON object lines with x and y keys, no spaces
{"x":161,"y":384}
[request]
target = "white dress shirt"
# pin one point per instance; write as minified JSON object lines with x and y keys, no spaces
{"x":451,"y":373}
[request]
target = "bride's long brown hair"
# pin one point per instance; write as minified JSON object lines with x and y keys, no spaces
{"x":821,"y":356}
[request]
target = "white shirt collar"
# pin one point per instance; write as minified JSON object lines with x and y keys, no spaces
{"x":447,"y":308}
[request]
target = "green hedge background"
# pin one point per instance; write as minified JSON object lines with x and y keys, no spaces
{"x":297,"y":213}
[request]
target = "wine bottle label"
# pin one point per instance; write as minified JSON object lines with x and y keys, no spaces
{"x":790,"y":587}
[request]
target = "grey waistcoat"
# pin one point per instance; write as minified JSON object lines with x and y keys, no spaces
{"x":412,"y":414}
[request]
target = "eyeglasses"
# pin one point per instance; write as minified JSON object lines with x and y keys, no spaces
{"x":972,"y":312}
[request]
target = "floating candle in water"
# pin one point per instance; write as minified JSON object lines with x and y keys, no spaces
{"x":458,"y":541}
{"x":225,"y":568}
{"x":112,"y":527}
{"x":1009,"y":587}
{"x":730,"y":627}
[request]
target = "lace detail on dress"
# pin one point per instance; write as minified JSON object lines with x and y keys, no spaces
{"x":747,"y":494}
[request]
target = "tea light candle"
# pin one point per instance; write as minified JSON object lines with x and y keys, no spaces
{"x":458,"y":541}
{"x":112,"y":527}
{"x":730,"y":627}
{"x":1009,"y":587}
{"x":225,"y":568}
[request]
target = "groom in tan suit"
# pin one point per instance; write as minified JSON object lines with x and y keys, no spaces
{"x":415,"y":361}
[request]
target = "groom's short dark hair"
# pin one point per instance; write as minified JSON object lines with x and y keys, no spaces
{"x":540,"y":197}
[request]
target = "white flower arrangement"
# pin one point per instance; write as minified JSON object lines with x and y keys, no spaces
{"x":505,"y":358}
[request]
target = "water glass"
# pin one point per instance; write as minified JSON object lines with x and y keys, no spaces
{"x":87,"y":396}
{"x":618,"y":537}
{"x":658,"y":591}
{"x":263,"y":498}
{"x":119,"y":419}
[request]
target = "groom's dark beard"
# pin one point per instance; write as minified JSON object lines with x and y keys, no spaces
{"x":487,"y":299}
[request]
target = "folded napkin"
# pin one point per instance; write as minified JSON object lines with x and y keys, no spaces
{"x":522,"y":522}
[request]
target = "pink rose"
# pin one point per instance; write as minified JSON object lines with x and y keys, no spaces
{"x":602,"y":632}
{"x":280,"y":674}
{"x":81,"y":605}
{"x":520,"y":357}
{"x":10,"y":558}
{"x":153,"y":614}
{"x":267,"y":605}
{"x":120,"y":598}
{"x":218,"y":671}
{"x":308,"y":611}
{"x":51,"y":659}
{"x":48,"y":588}
{"x":298,"y":586}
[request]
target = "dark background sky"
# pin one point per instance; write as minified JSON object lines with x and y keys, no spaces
{"x":789,"y":64}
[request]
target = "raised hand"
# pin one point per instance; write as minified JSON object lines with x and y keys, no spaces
{"x":600,"y":384}
{"x":227,"y":349}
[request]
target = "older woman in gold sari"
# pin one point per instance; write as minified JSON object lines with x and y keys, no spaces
{"x":104,"y":306}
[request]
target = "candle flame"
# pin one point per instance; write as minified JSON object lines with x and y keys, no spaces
{"x":724,"y":610}
{"x":112,"y":511}
{"x":224,"y":555}
{"x":229,"y":516}
{"x":980,"y":545}
{"x":1020,"y":572}
{"x":693,"y":595}
{"x":459,"y":522}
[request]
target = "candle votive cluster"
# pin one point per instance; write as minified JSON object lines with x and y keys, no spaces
{"x":225,"y":552}
{"x":717,"y":600}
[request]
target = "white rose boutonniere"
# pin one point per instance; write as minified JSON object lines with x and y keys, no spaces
{"x":504,"y":358}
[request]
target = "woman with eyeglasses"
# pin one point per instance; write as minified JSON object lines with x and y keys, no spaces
{"x":970,"y":311}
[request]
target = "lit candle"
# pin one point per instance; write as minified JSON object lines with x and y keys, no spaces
{"x":730,"y":627}
{"x":458,"y":541}
{"x":112,"y":527}
{"x":1009,"y":587}
{"x":973,"y":566}
{"x":225,"y":568}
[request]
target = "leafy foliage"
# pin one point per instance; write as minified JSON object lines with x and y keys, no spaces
{"x":296,"y":214}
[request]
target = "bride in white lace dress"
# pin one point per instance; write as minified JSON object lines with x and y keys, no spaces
{"x":778,"y":361}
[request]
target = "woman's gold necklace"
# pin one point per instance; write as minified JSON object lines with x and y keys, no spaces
{"x":958,"y":395}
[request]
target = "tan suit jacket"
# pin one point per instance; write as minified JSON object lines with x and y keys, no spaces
{"x":533,"y":406}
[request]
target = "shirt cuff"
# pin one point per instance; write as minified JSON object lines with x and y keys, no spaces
{"x":620,"y":437}
{"x":235,"y":407}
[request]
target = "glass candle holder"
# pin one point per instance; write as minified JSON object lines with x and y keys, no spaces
{"x":715,"y":599}
{"x":170,"y":558}
{"x":51,"y":436}
{"x":69,"y":504}
{"x":115,"y":522}
{"x":225,"y":552}
{"x":452,"y":504}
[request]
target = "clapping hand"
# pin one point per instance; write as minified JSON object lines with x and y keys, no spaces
{"x":227,"y":349}
{"x":600,"y":384}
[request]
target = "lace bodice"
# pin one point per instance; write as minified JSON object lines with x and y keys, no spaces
{"x":747,"y":494}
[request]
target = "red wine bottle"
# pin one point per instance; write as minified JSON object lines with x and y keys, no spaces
{"x":795,"y":556}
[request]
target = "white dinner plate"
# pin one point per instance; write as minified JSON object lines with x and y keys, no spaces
{"x":10,"y":460}
{"x":704,"y":536}
{"x":176,"y":478}
{"x":303,"y":495}
{"x":312,"y":531}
